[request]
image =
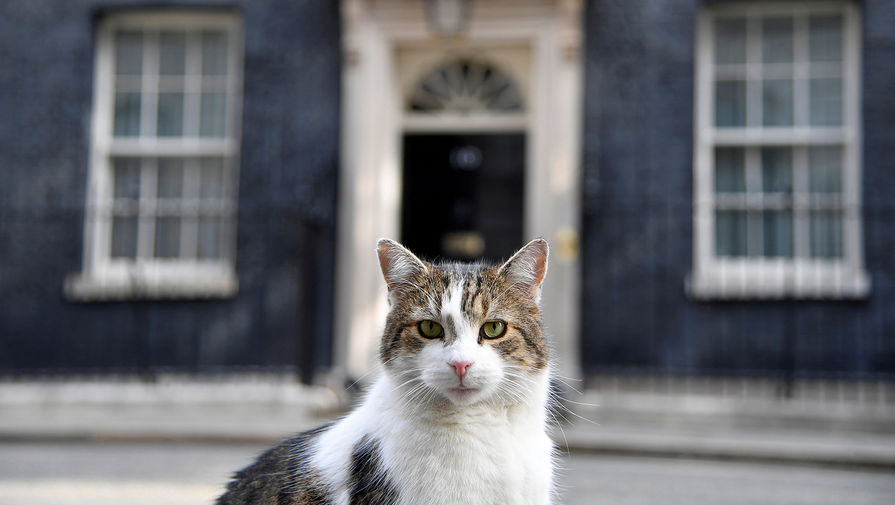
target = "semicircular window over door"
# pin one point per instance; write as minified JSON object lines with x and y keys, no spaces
{"x":465,"y":85}
{"x":463,"y":162}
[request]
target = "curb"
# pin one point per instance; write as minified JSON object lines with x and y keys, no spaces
{"x":884,"y":462}
{"x":571,"y":444}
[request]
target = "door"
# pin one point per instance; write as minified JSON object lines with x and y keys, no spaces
{"x":390,"y":55}
{"x":463,"y":195}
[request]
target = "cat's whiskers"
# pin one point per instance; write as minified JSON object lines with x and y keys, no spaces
{"x":416,"y":377}
{"x":563,"y":379}
{"x":511,"y":384}
{"x":513,"y":397}
{"x":406,"y":396}
{"x":558,"y":424}
{"x":416,"y":400}
{"x":553,"y":399}
{"x":529,"y":381}
{"x":372,"y":371}
{"x":411,"y":393}
{"x":558,"y":403}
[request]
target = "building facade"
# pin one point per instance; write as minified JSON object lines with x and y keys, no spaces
{"x":675,"y":282}
{"x":130,"y":128}
{"x":197,"y":186}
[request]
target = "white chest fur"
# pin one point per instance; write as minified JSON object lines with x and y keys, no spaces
{"x":480,"y":455}
{"x":477,"y":460}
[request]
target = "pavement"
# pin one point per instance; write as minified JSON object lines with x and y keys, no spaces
{"x":759,"y":429}
{"x":263,"y":409}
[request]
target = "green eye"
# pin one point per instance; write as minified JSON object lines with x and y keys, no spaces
{"x":430,"y":329}
{"x":493,"y":329}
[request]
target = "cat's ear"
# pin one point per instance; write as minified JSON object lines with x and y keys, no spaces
{"x":528,"y":267}
{"x":399,"y":266}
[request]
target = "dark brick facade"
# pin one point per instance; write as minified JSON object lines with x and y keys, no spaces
{"x":637,"y":215}
{"x":282,"y":315}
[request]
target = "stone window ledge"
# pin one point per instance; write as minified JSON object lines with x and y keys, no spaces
{"x":146,"y":284}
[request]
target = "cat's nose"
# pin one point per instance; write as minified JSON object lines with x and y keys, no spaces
{"x":460,"y":367}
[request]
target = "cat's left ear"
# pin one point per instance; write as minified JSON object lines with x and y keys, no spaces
{"x":399,"y":266}
{"x":528,"y":267}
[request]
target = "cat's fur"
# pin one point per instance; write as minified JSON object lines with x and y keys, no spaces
{"x":433,"y":429}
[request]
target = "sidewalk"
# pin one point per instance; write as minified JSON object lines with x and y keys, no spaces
{"x":760,"y":429}
{"x":232,"y":409}
{"x":265,"y":410}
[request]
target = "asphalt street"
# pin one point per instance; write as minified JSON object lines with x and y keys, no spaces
{"x":193,"y":473}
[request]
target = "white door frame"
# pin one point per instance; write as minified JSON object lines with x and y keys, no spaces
{"x":370,"y":174}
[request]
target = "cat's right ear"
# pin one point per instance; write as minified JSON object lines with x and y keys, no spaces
{"x":527,"y":268}
{"x":399,"y":266}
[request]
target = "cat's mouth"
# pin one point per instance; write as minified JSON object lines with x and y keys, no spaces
{"x":463,"y":392}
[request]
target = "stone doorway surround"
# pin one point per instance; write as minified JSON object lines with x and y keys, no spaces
{"x":385,"y":44}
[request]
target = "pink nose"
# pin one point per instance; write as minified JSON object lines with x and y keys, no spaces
{"x":460,"y":367}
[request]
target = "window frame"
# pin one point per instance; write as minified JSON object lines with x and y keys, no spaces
{"x":715,"y":277}
{"x":103,"y":277}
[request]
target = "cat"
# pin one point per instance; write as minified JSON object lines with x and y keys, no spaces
{"x":458,"y":413}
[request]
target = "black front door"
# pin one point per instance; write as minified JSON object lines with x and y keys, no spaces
{"x":463,"y":195}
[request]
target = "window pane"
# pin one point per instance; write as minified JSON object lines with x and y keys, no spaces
{"x":730,"y":170}
{"x":170,"y":178}
{"x":214,"y":53}
{"x":730,"y":233}
{"x":211,"y":179}
{"x":172,"y":53}
{"x":777,"y":232}
{"x":826,"y":102}
{"x":170,"y":114}
{"x":730,"y":41}
{"x":128,"y":53}
{"x":730,"y":103}
{"x":212,"y":118}
{"x":127,"y":114}
{"x":210,"y":235}
{"x":127,"y":178}
{"x":776,"y":169}
{"x":777,"y":102}
{"x":776,"y":42}
{"x":826,"y":234}
{"x":124,"y":237}
{"x":826,"y":38}
{"x":167,"y":237}
{"x":825,"y":169}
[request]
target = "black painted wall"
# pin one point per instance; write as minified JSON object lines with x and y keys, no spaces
{"x":282,"y":315}
{"x":637,"y":215}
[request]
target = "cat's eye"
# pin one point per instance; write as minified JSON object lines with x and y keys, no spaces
{"x":430,"y":329}
{"x":493,"y":329}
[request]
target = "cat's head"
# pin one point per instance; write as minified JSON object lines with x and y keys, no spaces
{"x":464,"y":332}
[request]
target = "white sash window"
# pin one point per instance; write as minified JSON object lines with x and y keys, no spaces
{"x":777,"y":204}
{"x":161,"y":211}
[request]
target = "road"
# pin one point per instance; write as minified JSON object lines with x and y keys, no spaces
{"x":143,"y":473}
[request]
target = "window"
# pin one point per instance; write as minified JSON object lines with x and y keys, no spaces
{"x":161,"y":211}
{"x":777,"y":152}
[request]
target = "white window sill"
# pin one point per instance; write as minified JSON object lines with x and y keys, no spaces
{"x":151,"y":283}
{"x":746,"y":281}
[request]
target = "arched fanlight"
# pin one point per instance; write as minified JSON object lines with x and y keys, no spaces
{"x":465,"y":85}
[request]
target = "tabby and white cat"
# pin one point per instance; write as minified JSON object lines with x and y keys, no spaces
{"x":458,"y":415}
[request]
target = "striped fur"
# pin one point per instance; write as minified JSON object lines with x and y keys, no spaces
{"x":426,"y":434}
